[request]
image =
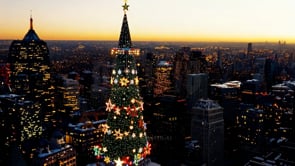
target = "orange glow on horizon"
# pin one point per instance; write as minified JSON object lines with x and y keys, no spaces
{"x":68,"y":35}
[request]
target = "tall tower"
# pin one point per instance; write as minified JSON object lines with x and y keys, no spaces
{"x":163,"y":82}
{"x":208,"y":127}
{"x":250,"y":48}
{"x":125,"y":140}
{"x":196,"y":87}
{"x":30,"y":69}
{"x":187,"y":61}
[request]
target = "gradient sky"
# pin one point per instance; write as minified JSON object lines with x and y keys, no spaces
{"x":151,"y":20}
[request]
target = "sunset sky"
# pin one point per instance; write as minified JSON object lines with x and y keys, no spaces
{"x":151,"y":20}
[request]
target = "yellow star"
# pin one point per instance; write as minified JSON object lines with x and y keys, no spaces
{"x":110,"y":105}
{"x":119,"y":162}
{"x":112,"y":80}
{"x":105,"y":128}
{"x":125,"y":6}
{"x":117,"y":111}
{"x":124,"y":81}
{"x":107,"y":160}
{"x":118,"y":134}
{"x":104,"y":149}
{"x":126,"y":133}
{"x":136,"y":81}
{"x":138,"y":156}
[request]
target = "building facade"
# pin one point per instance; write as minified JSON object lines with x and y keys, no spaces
{"x":196,"y":87}
{"x":30,"y":70}
{"x":85,"y":137}
{"x":207,"y":126}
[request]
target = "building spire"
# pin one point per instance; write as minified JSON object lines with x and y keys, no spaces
{"x":31,"y":34}
{"x":125,"y":38}
{"x":31,"y":21}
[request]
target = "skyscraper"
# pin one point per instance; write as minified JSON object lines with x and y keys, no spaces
{"x":208,"y":127}
{"x":125,"y":140}
{"x":30,"y":69}
{"x":68,"y":92}
{"x":20,"y":126}
{"x":163,"y":82}
{"x":187,"y":61}
{"x":249,"y":49}
{"x":197,"y":87}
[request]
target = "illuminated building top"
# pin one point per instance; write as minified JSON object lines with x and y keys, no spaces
{"x":31,"y":34}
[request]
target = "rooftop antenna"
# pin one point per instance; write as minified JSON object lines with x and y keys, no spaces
{"x":31,"y":20}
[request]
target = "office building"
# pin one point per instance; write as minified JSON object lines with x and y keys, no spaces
{"x":55,"y":152}
{"x":197,"y":87}
{"x":249,"y":49}
{"x":21,"y":125}
{"x":163,"y":78}
{"x":30,"y":70}
{"x":207,"y":127}
{"x":228,"y":96}
{"x":187,"y":61}
{"x":60,"y":157}
{"x":68,"y":93}
{"x":21,"y":118}
{"x":251,"y":122}
{"x":85,"y":136}
{"x":86,"y":80}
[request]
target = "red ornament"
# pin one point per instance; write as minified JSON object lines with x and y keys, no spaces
{"x":140,"y":123}
{"x":132,"y":111}
{"x":125,"y":159}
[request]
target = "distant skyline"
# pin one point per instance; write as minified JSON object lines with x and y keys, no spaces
{"x":152,"y":20}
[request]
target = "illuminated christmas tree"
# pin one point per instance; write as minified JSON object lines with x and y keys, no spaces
{"x":125,"y":141}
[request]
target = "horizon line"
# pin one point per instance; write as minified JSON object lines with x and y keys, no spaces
{"x":168,"y":41}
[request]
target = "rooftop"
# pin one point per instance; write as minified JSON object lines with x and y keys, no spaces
{"x":207,"y":104}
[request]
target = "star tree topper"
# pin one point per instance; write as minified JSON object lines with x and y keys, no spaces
{"x":125,"y":6}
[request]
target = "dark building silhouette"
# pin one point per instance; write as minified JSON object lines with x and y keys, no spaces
{"x":30,"y":70}
{"x":86,"y":80}
{"x":228,"y":96}
{"x":196,"y":87}
{"x":20,"y":125}
{"x":166,"y":128}
{"x":187,"y":61}
{"x":249,"y":49}
{"x":207,"y":127}
{"x":270,"y":72}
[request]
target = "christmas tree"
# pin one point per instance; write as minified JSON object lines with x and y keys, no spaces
{"x":125,"y":141}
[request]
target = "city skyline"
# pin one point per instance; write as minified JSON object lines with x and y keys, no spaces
{"x":216,"y":21}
